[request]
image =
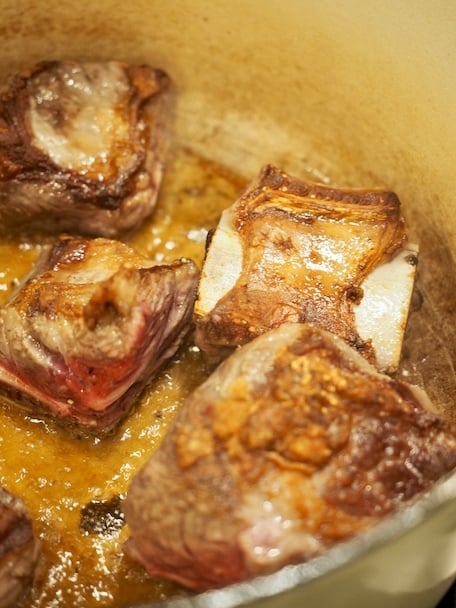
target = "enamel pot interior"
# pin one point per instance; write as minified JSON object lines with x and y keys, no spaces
{"x":361,"y":94}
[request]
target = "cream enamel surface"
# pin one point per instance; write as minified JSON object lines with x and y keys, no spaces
{"x":348,"y":91}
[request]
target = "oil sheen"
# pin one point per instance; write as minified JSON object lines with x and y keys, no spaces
{"x":58,"y":475}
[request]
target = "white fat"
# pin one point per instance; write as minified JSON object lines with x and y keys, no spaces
{"x":222,"y":266}
{"x":382,"y":314}
{"x":92,"y":121}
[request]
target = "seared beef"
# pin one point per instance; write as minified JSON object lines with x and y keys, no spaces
{"x":293,"y":444}
{"x":82,"y":147}
{"x":90,"y":326}
{"x":288,"y":250}
{"x":19,"y":550}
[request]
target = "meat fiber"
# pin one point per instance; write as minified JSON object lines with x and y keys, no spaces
{"x":19,"y":550}
{"x":288,"y":250}
{"x":82,"y":147}
{"x":293,"y":444}
{"x":88,"y":329}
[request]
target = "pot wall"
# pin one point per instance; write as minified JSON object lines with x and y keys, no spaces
{"x":362,"y":93}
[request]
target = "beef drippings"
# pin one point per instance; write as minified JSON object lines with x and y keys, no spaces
{"x":59,"y":474}
{"x":64,"y":478}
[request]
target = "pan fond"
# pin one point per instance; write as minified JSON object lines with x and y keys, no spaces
{"x":58,"y":474}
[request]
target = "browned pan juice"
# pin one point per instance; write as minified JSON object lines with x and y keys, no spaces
{"x":57,"y":474}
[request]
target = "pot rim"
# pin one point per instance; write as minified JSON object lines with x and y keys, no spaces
{"x":442,"y":494}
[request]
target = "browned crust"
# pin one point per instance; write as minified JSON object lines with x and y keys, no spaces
{"x":68,"y":199}
{"x":264,"y":298}
{"x":296,"y":420}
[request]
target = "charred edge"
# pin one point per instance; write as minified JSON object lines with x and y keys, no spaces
{"x":354,"y":294}
{"x":272,"y":178}
{"x":103,"y":517}
{"x":412,"y":259}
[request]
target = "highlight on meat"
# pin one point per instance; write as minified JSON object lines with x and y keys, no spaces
{"x":87,"y":330}
{"x":290,"y":250}
{"x":82,"y":147}
{"x":292,"y":445}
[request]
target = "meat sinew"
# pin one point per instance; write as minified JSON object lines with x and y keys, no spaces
{"x":82,"y":147}
{"x":292,"y":251}
{"x":293,"y":444}
{"x":19,"y":550}
{"x":85,"y":332}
